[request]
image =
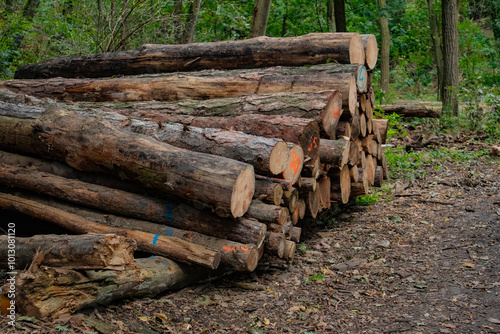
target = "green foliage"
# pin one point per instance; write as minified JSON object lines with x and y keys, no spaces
{"x":404,"y":165}
{"x":316,"y":277}
{"x":367,"y":200}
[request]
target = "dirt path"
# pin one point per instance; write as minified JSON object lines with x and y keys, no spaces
{"x":426,"y":261}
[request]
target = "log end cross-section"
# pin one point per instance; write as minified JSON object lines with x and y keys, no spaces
{"x":243,"y":191}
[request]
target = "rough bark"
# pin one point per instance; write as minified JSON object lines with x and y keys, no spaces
{"x":88,"y":251}
{"x":339,"y":12}
{"x":91,"y":144}
{"x":156,"y":244}
{"x":192,"y":17}
{"x":324,"y":107}
{"x":335,"y":152}
{"x":315,"y":48}
{"x":267,"y":213}
{"x":52,"y":292}
{"x":268,"y":156}
{"x":269,"y":191}
{"x":198,"y":85}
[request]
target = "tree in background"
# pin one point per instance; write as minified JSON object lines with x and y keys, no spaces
{"x":339,"y":13}
{"x":385,"y":49}
{"x":330,"y":16}
{"x":450,"y":56}
{"x":259,"y":18}
{"x":436,"y":43}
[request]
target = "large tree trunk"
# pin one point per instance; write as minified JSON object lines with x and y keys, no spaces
{"x":260,"y":15}
{"x":324,"y":107}
{"x":156,"y":244}
{"x":201,"y":85}
{"x":315,"y":48}
{"x":88,"y":251}
{"x":330,"y":16}
{"x":436,"y":43}
{"x":386,"y":42}
{"x":90,"y":144}
{"x":242,"y":257}
{"x":52,"y":292}
{"x":173,"y":212}
{"x":413,"y":108}
{"x":450,"y":56}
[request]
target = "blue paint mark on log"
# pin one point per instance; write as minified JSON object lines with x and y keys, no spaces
{"x":361,"y":80}
{"x":168,"y":232}
{"x":168,"y":211}
{"x":155,"y":239}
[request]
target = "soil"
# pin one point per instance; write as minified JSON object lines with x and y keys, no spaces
{"x":423,"y":259}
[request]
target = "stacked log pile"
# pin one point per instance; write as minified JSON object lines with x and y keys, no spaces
{"x":219,"y":163}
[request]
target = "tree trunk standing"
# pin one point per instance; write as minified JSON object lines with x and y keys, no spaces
{"x":450,"y":56}
{"x":260,"y":16}
{"x":436,"y":43}
{"x":177,"y":21}
{"x":386,"y":40}
{"x":339,"y":12}
{"x":330,"y":15}
{"x":192,"y":17}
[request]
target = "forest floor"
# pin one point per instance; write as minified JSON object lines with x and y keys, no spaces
{"x":425,"y":258}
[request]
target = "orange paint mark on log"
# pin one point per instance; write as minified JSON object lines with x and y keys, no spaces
{"x":295,"y":163}
{"x":336,"y":112}
{"x":313,"y":144}
{"x":234,"y":249}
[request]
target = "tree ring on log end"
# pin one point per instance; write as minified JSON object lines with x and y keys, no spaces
{"x":309,"y":140}
{"x":243,"y":191}
{"x":278,"y":158}
{"x":353,"y":96}
{"x":362,"y":79}
{"x":356,"y":50}
{"x":294,"y":164}
{"x":371,"y":50}
{"x":333,"y":111}
{"x":345,"y":184}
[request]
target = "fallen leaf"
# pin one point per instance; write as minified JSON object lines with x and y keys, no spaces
{"x":468,"y":265}
{"x":494,"y":321}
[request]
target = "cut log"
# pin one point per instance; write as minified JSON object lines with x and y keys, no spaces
{"x":335,"y":152}
{"x":354,"y":173}
{"x":291,"y":199}
{"x":324,"y":185}
{"x":308,"y":184}
{"x":242,"y":257}
{"x":362,"y":187}
{"x":413,"y":109}
{"x":341,"y":184}
{"x":312,"y":168}
{"x":178,"y":86}
{"x":355,"y":124}
{"x":295,"y":233}
{"x":371,"y":50}
{"x":294,"y":165}
{"x":363,"y":128}
{"x":287,"y":185}
{"x":88,"y":251}
{"x":302,"y":206}
{"x":269,"y":191}
{"x":268,"y":156}
{"x":354,"y":154}
{"x":380,"y":126}
{"x":267,"y":212}
{"x":314,"y":202}
{"x":291,"y":129}
{"x":90,"y":144}
{"x":156,"y":244}
{"x":53,"y":292}
{"x":379,"y":176}
{"x":275,"y":244}
{"x":315,"y":48}
{"x":324,"y":107}
{"x":289,"y":253}
{"x":385,"y":166}
{"x":343,"y":129}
